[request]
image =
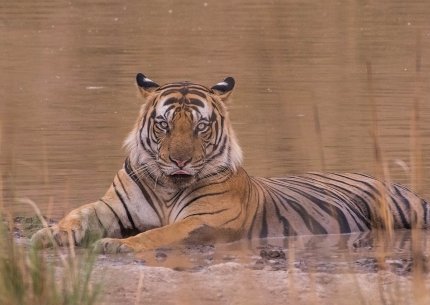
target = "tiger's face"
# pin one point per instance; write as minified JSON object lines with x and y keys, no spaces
{"x":183,"y":133}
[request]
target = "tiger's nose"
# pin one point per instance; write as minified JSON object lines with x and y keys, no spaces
{"x":180,"y":162}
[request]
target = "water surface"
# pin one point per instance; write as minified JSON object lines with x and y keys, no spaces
{"x":304,"y":100}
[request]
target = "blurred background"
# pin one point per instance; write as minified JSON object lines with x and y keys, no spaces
{"x":321,"y":85}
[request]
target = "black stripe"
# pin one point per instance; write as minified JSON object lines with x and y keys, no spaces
{"x":426,"y":207}
{"x":353,"y":210}
{"x":364,"y":175}
{"x":121,"y":225}
{"x":219,"y":132}
{"x":360,"y":202}
{"x":252,"y":223}
{"x":170,"y":91}
{"x":332,"y":210}
{"x":123,"y":187}
{"x":141,"y":135}
{"x":130,"y":219}
{"x":198,"y":87}
{"x":369,"y":185}
{"x":168,"y":110}
{"x":197,"y":102}
{"x":193,"y":107}
{"x":238,"y":214}
{"x":264,"y":229}
{"x":322,"y":204}
{"x":221,"y":149}
{"x":173,"y":200}
{"x":256,"y":185}
{"x":218,"y":171}
{"x":176,"y":85}
{"x":249,"y":191}
{"x":100,"y":222}
{"x":197,"y":198}
{"x":403,"y":220}
{"x":180,"y":85}
{"x":183,"y":89}
{"x":202,"y":186}
{"x":197,"y":93}
{"x":312,"y":224}
{"x":170,"y":101}
{"x":396,"y":204}
{"x":130,"y":172}
{"x":205,"y":213}
{"x":346,"y":190}
{"x":406,"y":203}
{"x":148,"y":128}
{"x":233,"y":219}
{"x":215,"y":104}
{"x":213,"y":116}
{"x":288,"y":230}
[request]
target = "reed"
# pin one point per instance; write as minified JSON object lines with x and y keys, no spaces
{"x":27,"y":276}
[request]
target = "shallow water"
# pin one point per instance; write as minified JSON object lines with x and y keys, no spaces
{"x":304,"y":100}
{"x":347,"y":253}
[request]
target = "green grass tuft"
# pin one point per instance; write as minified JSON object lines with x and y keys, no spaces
{"x":27,"y":276}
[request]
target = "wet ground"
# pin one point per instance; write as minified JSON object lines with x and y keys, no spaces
{"x":265,"y":275}
{"x":235,"y":283}
{"x":272,"y":271}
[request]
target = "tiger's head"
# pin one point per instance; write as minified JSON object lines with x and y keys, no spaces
{"x":183,"y":133}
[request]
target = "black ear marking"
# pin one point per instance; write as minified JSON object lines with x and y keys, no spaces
{"x":145,"y":83}
{"x":225,"y":86}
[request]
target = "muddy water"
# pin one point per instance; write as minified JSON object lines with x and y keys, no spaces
{"x":347,"y":253}
{"x":304,"y":99}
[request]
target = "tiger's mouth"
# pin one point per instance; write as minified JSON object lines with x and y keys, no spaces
{"x":181,"y":172}
{"x":181,"y":177}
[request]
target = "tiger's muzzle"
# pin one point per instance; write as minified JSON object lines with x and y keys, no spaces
{"x":181,"y":153}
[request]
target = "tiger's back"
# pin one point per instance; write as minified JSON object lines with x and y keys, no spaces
{"x":319,"y":203}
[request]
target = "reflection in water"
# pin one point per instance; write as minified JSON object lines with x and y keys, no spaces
{"x":303,"y":100}
{"x":360,"y":252}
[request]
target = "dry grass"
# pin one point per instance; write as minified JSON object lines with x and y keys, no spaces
{"x":28,"y":277}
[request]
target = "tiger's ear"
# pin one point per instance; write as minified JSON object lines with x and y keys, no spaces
{"x":146,"y":86}
{"x":224,"y":88}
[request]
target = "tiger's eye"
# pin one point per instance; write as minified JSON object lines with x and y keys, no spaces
{"x":163,"y":125}
{"x":202,"y":126}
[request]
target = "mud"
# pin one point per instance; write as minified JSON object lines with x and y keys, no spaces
{"x":268,"y":279}
{"x":266,"y":273}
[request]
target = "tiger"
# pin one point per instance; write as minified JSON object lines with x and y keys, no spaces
{"x":182,"y":183}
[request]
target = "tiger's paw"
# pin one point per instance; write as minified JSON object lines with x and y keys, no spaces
{"x":42,"y":238}
{"x":111,"y":245}
{"x":46,"y":237}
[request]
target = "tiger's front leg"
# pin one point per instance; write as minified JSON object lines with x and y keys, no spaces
{"x":79,"y":227}
{"x":191,"y":230}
